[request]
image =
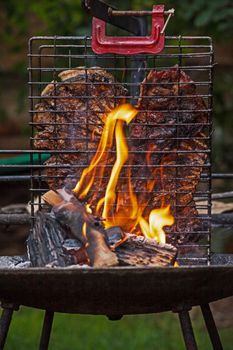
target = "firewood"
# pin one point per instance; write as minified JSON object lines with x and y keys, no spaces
{"x":98,"y":250}
{"x":47,"y":246}
{"x":44,"y":245}
{"x":69,"y":211}
{"x":71,"y":217}
{"x":115,"y":235}
{"x":74,"y":215}
{"x":77,"y":251}
{"x":135,"y":251}
{"x":139,"y":251}
{"x":52,"y":198}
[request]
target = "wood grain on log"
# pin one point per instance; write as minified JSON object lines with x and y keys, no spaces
{"x":74,"y":215}
{"x":138,"y":251}
{"x":135,"y":251}
{"x":45,"y":242}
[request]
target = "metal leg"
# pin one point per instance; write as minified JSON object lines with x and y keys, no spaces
{"x":211,"y":327}
{"x":46,"y":331}
{"x":5,"y":322}
{"x":187,"y":330}
{"x":114,"y":317}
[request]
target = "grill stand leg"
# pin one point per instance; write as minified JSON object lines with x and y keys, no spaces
{"x":5,"y":322}
{"x":211,"y":327}
{"x":187,"y":329}
{"x":46,"y":331}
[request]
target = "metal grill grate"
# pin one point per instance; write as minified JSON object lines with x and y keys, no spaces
{"x":49,"y":56}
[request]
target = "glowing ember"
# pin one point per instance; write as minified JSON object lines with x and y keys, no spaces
{"x":121,"y":208}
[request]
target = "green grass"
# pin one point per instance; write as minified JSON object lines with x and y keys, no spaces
{"x":160,"y":331}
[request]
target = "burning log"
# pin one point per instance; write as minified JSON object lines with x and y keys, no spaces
{"x":139,"y":251}
{"x":44,"y":244}
{"x":98,"y":249}
{"x":115,"y":236}
{"x":83,"y":226}
{"x":48,"y":246}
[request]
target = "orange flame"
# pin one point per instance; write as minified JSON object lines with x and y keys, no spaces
{"x":125,"y":113}
{"x":122,"y":156}
{"x":88,"y":208}
{"x":121,"y":208}
{"x":84,"y":230}
{"x":157,"y":220}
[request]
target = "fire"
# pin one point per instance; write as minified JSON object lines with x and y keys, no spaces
{"x":123,"y":113}
{"x":121,"y":208}
{"x":157,"y":220}
{"x":88,"y":208}
{"x":84,"y":230}
{"x":122,"y":156}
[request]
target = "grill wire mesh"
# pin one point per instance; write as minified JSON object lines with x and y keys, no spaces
{"x":49,"y":56}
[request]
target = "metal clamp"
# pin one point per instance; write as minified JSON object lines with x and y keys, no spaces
{"x":103,"y":11}
{"x":130,"y":45}
{"x":169,"y":13}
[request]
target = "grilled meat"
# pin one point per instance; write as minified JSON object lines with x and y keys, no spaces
{"x":177,"y":143}
{"x":70,"y":117}
{"x":167,"y":139}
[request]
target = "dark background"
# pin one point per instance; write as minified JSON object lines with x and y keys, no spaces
{"x":19,"y":20}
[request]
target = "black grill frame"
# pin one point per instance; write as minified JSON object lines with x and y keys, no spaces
{"x":192,"y":54}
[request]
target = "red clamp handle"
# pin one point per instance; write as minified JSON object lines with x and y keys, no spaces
{"x":129,"y":45}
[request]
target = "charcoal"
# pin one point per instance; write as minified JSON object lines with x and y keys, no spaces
{"x":12,"y":262}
